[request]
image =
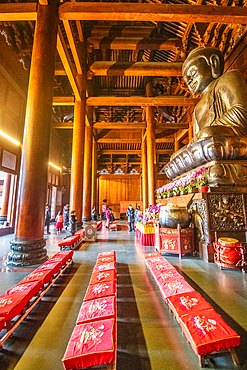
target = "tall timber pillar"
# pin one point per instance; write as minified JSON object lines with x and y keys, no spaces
{"x":94,"y":200}
{"x":28,"y":247}
{"x":144,"y":175}
{"x":151,"y":146}
{"x":87,"y":177}
{"x":5,"y":204}
{"x":78,"y":152}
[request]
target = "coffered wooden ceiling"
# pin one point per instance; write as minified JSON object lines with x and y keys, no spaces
{"x":120,"y":46}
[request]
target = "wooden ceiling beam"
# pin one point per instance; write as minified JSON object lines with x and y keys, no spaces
{"x":12,"y":12}
{"x":166,"y":139}
{"x":73,"y":46}
{"x":68,"y":66}
{"x":137,"y":125}
{"x":134,"y":151}
{"x":124,"y":31}
{"x":63,"y":100}
{"x":59,"y":70}
{"x":158,"y":101}
{"x":62,"y":125}
{"x":108,"y":68}
{"x":134,"y":43}
{"x":152,"y":12}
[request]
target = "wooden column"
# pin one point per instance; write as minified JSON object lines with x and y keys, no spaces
{"x":77,"y":164}
{"x":5,"y":203}
{"x":176,"y":143}
{"x":28,"y":248}
{"x":87,"y":180}
{"x":144,"y":176}
{"x":94,"y":199}
{"x":151,"y":146}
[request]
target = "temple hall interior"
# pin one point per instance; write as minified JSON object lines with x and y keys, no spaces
{"x":123,"y":165}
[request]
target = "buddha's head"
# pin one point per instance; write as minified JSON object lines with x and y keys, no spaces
{"x":201,"y":67}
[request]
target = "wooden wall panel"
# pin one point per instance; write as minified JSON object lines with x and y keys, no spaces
{"x":118,"y":188}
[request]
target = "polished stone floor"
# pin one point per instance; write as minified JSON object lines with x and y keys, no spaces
{"x":148,"y":335}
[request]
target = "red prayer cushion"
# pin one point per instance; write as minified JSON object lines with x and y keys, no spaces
{"x":151,"y":255}
{"x":97,"y":309}
{"x":166,"y":276}
{"x":160,"y":267}
{"x":81,"y":233}
{"x":113,"y":225}
{"x":208,"y":332}
{"x":100,"y":277}
{"x":107,"y":254}
{"x":104,"y":267}
{"x":11,"y":306}
{"x":100,"y":290}
{"x":68,"y":241}
{"x":105,"y":259}
{"x":30,"y":290}
{"x":43,"y":276}
{"x":90,"y":345}
{"x":187,"y":303}
{"x":154,"y":260}
{"x":62,"y":256}
{"x":50,"y":265}
{"x":174,"y":287}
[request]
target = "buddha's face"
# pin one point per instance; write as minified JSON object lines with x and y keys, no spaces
{"x":197,"y":75}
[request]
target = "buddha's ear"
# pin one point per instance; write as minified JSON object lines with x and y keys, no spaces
{"x":214,"y":61}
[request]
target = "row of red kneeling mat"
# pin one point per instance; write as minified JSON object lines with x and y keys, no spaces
{"x":93,"y":341}
{"x":13,"y":301}
{"x":203,"y":327}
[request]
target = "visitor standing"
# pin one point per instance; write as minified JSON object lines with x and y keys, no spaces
{"x":94,"y":214}
{"x":107,"y":215}
{"x":66,"y":216}
{"x":59,"y":222}
{"x":47,"y":218}
{"x":72,"y":223}
{"x":131,"y":217}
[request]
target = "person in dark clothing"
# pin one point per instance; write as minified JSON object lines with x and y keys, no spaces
{"x":131,"y":217}
{"x":47,"y":218}
{"x":72,"y":223}
{"x":66,"y":216}
{"x":94,"y":214}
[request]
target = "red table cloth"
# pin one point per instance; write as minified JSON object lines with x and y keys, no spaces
{"x":97,"y":309}
{"x":208,"y":332}
{"x":104,"y":267}
{"x":30,"y":290}
{"x":174,"y":287}
{"x":90,"y":345}
{"x":145,"y":239}
{"x":43,"y":276}
{"x":11,"y":306}
{"x":100,"y":290}
{"x":101,"y":277}
{"x":105,"y":259}
{"x":188,"y":303}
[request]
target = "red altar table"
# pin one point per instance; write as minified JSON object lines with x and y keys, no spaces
{"x":177,"y":241}
{"x":145,"y":234}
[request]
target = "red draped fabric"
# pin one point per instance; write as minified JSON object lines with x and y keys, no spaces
{"x":97,"y":309}
{"x":208,"y":332}
{"x":90,"y":344}
{"x":145,"y":239}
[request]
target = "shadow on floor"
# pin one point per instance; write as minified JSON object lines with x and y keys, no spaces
{"x":132,"y":353}
{"x":15,"y":346}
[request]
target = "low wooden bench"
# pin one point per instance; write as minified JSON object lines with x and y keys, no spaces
{"x":93,"y":343}
{"x":209,"y":335}
{"x":17,"y":302}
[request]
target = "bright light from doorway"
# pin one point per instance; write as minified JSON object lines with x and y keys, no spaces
{"x":53,"y":165}
{"x":9,"y":138}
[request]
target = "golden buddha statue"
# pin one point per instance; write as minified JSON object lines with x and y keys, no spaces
{"x":219,"y":120}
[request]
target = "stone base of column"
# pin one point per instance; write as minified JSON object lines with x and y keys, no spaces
{"x":3,"y":219}
{"x":85,"y":219}
{"x":26,"y":253}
